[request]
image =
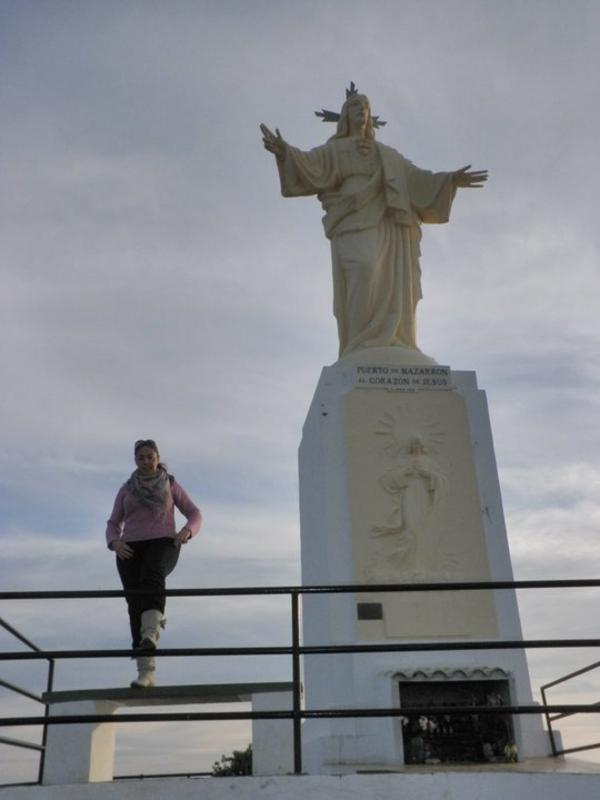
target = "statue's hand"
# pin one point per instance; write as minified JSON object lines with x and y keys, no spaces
{"x":469,"y":180}
{"x":273,"y":142}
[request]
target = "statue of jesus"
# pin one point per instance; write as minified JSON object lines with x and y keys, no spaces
{"x":374,"y":200}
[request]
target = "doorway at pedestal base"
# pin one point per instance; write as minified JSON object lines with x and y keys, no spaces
{"x":457,"y":738}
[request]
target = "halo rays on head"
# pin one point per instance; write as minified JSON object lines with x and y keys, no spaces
{"x":334,"y":116}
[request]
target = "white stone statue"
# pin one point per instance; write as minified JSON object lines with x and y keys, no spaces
{"x":374,"y":201}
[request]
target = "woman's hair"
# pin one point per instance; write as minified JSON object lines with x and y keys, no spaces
{"x":145,"y":443}
{"x":343,"y":126}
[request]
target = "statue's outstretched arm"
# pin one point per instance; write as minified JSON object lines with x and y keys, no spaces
{"x":273,"y":142}
{"x":468,"y":180}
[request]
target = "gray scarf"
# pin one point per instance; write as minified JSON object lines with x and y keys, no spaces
{"x":152,"y":491}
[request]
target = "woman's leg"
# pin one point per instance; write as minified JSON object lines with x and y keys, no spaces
{"x":129,"y":571}
{"x":158,"y":560}
{"x":152,"y":561}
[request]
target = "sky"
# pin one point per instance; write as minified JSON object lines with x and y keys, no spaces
{"x":156,"y":284}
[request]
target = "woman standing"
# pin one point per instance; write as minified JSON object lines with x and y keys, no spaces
{"x":141,"y":531}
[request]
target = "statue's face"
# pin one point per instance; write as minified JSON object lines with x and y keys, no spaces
{"x":416,"y":446}
{"x":359,"y":111}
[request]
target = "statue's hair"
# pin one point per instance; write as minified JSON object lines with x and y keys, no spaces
{"x":343,"y":126}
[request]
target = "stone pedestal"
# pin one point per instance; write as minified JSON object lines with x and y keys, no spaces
{"x":80,"y":753}
{"x":398,"y":483}
{"x":272,"y":739}
{"x":84,"y":753}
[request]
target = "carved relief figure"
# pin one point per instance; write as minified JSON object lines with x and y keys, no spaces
{"x":374,"y":200}
{"x":415,"y":485}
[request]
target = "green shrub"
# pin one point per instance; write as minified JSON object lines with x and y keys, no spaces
{"x":238,"y":763}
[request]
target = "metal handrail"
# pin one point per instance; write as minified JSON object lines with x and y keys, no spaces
{"x":17,"y":634}
{"x":562,"y":715}
{"x":570,"y":675}
{"x":55,"y":594}
{"x":21,"y":742}
{"x":313,"y":713}
{"x":417,"y":647}
{"x":20,"y":690}
{"x":296,"y":651}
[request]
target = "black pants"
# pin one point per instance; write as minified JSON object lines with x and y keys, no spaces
{"x":152,"y":561}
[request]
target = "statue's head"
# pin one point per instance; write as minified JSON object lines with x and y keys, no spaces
{"x":416,"y":445}
{"x":355,"y":116}
{"x":355,"y":105}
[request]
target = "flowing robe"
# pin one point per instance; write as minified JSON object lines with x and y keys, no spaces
{"x":416,"y":485}
{"x":374,"y":201}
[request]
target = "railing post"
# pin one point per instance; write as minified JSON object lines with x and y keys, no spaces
{"x":297,"y":691}
{"x":49,"y":687}
{"x":549,"y":724}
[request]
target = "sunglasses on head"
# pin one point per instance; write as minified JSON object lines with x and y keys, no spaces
{"x":145,"y":443}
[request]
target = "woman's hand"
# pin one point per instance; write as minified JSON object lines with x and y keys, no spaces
{"x":183,"y":536}
{"x":122,"y":550}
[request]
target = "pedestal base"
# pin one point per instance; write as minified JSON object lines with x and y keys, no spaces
{"x":400,"y":486}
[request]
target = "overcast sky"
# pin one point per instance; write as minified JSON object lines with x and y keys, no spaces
{"x":156,"y":284}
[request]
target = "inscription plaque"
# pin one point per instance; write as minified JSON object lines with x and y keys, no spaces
{"x":403,"y":379}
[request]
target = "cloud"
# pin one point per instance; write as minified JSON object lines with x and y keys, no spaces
{"x":155,"y":283}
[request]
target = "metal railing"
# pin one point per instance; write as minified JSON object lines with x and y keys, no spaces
{"x":41,"y":748}
{"x":553,"y":717}
{"x":296,"y":651}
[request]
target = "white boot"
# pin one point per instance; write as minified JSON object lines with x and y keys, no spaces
{"x":146,"y":673}
{"x":152,"y":622}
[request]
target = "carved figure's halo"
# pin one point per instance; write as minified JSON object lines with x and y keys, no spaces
{"x":400,"y":429}
{"x":334,"y":116}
